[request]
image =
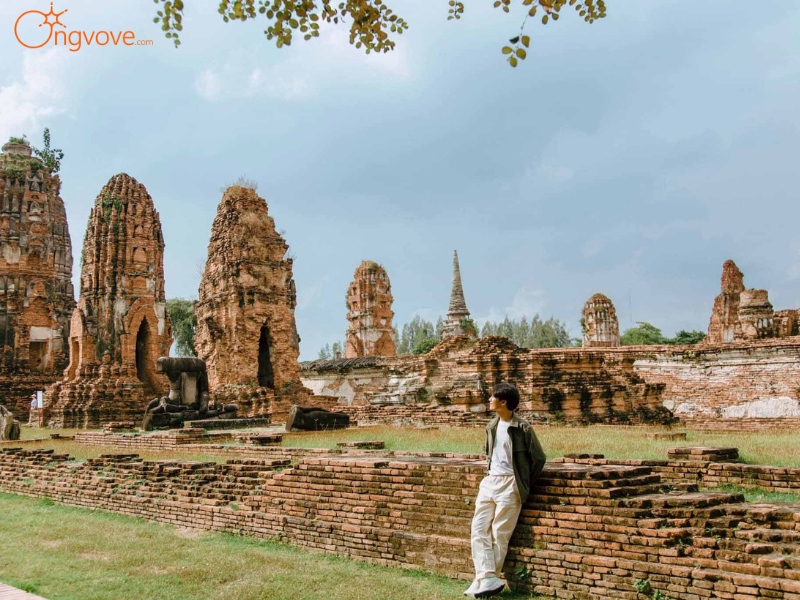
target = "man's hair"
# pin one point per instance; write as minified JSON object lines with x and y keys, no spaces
{"x":507,"y":392}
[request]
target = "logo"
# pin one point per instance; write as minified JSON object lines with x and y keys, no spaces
{"x":36,"y":29}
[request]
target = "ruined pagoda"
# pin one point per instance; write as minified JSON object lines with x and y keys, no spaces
{"x":246,"y":329}
{"x":599,"y":323}
{"x":36,"y":294}
{"x":369,"y":311}
{"x":120,"y":325}
{"x":458,"y":321}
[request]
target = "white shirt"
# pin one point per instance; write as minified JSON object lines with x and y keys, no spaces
{"x":501,"y":453}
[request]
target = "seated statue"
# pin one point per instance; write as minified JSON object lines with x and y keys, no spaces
{"x":9,"y":427}
{"x":188,"y":398}
{"x":308,"y":418}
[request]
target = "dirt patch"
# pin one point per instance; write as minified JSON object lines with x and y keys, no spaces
{"x":190,"y":533}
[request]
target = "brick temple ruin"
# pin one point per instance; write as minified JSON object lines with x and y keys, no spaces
{"x":748,"y":381}
{"x":36,"y":293}
{"x":120,"y":326}
{"x":599,"y":323}
{"x":100,"y":354}
{"x":369,"y":311}
{"x":458,"y":321}
{"x":246,"y":329}
{"x":741,"y":314}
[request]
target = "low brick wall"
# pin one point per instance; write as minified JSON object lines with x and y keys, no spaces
{"x":160,"y":440}
{"x":748,"y":424}
{"x":587,"y":531}
{"x":414,"y":415}
{"x":711,"y":475}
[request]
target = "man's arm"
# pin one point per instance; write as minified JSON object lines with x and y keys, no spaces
{"x":536,"y":453}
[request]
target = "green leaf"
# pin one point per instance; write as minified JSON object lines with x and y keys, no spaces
{"x":526,"y":41}
{"x":506,"y":49}
{"x":514,"y":40}
{"x":521,"y":53}
{"x":512,"y":61}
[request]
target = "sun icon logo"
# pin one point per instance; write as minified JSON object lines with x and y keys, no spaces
{"x":49,"y":19}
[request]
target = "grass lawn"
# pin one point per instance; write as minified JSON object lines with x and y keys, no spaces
{"x":778,"y":448}
{"x":767,"y":448}
{"x":64,"y":553}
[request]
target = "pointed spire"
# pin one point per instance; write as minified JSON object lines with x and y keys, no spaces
{"x":458,"y":306}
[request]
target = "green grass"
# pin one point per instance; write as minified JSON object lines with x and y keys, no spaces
{"x":70,"y":553}
{"x":37,"y":433}
{"x":755,"y":494}
{"x":778,"y":448}
{"x":766,"y":448}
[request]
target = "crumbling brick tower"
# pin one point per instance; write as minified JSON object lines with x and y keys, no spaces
{"x":369,"y":310}
{"x":599,"y":323}
{"x":246,"y":329}
{"x":742,"y":314}
{"x":36,"y":295}
{"x":120,"y":325}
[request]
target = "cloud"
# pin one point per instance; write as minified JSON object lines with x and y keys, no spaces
{"x":309,"y":293}
{"x":215,"y":84}
{"x":527,"y":301}
{"x":793,"y":270}
{"x":40,"y":92}
{"x":299,"y":73}
{"x":337,"y":51}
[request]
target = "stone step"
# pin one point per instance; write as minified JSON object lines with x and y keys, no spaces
{"x":689,"y":500}
{"x":769,"y":535}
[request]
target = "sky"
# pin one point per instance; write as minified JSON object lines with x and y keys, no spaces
{"x":630,"y":157}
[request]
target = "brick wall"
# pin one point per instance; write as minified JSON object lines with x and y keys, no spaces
{"x":711,"y":474}
{"x":587,"y":531}
{"x":733,"y":382}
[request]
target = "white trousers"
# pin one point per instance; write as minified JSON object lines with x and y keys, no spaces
{"x":496,"y":512}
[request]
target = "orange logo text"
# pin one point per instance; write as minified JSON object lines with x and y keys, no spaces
{"x":36,"y":29}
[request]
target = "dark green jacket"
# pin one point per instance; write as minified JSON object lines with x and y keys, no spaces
{"x":527,"y":454}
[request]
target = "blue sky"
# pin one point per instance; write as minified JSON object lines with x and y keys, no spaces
{"x":631,"y":157}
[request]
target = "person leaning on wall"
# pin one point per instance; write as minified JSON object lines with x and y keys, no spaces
{"x":515,"y":460}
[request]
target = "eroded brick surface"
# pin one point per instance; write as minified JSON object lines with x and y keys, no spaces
{"x":120,"y":326}
{"x":246,"y":329}
{"x":746,"y":314}
{"x":587,"y":531}
{"x":599,"y":323}
{"x":369,"y":311}
{"x":36,"y":294}
{"x":593,"y":385}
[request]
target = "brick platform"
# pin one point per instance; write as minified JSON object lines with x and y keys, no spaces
{"x":587,"y":531}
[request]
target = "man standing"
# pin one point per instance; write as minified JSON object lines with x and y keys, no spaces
{"x":515,"y":461}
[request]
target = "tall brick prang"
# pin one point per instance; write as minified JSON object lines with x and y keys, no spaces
{"x":36,"y":293}
{"x":120,"y":326}
{"x":599,"y":322}
{"x":246,"y":328}
{"x":369,"y":310}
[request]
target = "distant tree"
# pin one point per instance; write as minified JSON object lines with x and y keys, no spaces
{"x":687,"y":337}
{"x":644,"y":334}
{"x":413,"y":333}
{"x":181,"y":315}
{"x":551,"y":333}
{"x":439,"y":327}
{"x":424,"y":346}
{"x":548,"y":334}
{"x":325,"y":353}
{"x":372,"y":22}
{"x":337,"y":350}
